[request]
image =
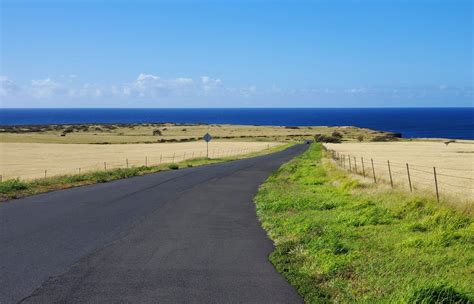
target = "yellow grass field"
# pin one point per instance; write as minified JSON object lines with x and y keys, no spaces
{"x":144,"y":133}
{"x":30,"y":160}
{"x":454,"y":164}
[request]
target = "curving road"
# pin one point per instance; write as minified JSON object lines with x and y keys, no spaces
{"x":186,"y":236}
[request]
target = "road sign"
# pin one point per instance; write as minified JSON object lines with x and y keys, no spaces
{"x":207,"y":137}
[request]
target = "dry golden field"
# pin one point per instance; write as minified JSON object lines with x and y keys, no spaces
{"x":454,"y":164}
{"x":152,"y":133}
{"x":30,"y":160}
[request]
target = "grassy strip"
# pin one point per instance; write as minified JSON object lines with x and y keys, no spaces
{"x":342,"y":240}
{"x":15,"y":188}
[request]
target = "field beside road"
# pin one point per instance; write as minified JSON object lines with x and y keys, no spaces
{"x":345,"y":240}
{"x":454,"y":164}
{"x":30,"y":160}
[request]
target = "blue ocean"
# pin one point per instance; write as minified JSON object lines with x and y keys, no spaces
{"x":456,"y":123}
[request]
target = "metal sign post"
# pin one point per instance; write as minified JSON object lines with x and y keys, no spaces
{"x":207,"y":137}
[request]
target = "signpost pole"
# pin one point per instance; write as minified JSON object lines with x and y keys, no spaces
{"x":207,"y":138}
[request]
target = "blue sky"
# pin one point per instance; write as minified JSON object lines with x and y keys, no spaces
{"x":236,"y":53}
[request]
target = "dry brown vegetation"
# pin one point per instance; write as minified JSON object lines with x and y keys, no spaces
{"x":454,"y":164}
{"x":164,"y":133}
{"x":30,"y":160}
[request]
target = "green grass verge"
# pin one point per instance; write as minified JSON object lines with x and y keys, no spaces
{"x":341,"y":240}
{"x":15,"y":188}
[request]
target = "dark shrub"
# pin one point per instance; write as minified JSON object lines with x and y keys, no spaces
{"x":360,"y":138}
{"x":327,"y":139}
{"x":173,"y":166}
{"x":157,"y":132}
{"x":387,"y":137}
{"x":336,"y":134}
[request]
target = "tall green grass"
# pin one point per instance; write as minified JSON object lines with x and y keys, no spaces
{"x":340,"y":240}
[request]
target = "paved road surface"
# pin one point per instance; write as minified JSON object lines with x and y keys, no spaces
{"x":186,"y":236}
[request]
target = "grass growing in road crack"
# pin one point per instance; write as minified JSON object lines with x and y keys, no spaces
{"x":341,"y":240}
{"x":15,"y":188}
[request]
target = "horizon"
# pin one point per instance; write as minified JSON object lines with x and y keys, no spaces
{"x":233,"y":108}
{"x":307,"y":54}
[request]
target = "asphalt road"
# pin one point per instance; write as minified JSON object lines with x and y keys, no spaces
{"x":185,"y":236}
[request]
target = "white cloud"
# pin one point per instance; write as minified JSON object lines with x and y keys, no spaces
{"x":8,"y":87}
{"x":152,"y":86}
{"x":210,"y":85}
{"x":46,"y":88}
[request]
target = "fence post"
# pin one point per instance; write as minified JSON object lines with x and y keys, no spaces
{"x":126,"y":160}
{"x":350,"y":165}
{"x":161,"y":156}
{"x":390,"y":173}
{"x":344,"y":160}
{"x":355,"y":165}
{"x":436,"y":184}
{"x":409,"y":178}
{"x":1,"y":178}
{"x":45,"y":171}
{"x":79,"y":170}
{"x":373,"y":170}
{"x":146,"y":161}
{"x":105,"y":166}
{"x":363,"y":167}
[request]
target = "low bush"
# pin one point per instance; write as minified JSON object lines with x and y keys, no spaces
{"x":173,"y":166}
{"x":337,"y":135}
{"x":327,"y":139}
{"x":385,"y":137}
{"x":12,"y":185}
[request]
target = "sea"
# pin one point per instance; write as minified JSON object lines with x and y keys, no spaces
{"x":455,"y":123}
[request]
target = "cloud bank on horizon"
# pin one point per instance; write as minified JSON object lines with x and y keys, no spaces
{"x":151,"y":90}
{"x":236,"y":54}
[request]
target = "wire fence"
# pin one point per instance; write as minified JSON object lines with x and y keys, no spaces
{"x":413,"y":177}
{"x":66,"y":168}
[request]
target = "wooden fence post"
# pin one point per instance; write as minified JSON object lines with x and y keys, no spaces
{"x":373,"y":170}
{"x":409,"y":178}
{"x":363,"y":167}
{"x":105,"y":166}
{"x":390,"y":173}
{"x":45,"y":171}
{"x":350,"y":165}
{"x":126,"y":160}
{"x":436,"y":184}
{"x":355,"y":165}
{"x":161,"y":156}
{"x":146,"y":161}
